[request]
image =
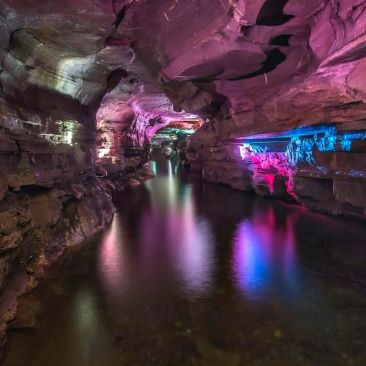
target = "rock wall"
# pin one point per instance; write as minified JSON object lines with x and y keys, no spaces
{"x":322,"y":167}
{"x":54,"y":190}
{"x":51,"y":197}
{"x":78,"y":109}
{"x":318,"y":80}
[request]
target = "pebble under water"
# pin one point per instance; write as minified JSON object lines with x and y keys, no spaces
{"x":191,"y":273}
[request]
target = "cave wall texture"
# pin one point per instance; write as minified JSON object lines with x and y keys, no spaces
{"x":85,"y":85}
{"x":77,"y":109}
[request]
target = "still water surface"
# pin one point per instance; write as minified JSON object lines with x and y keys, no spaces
{"x":191,"y":273}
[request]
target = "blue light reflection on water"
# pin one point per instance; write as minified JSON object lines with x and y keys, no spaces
{"x":264,"y":257}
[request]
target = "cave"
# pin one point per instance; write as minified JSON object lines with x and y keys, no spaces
{"x":182,"y":182}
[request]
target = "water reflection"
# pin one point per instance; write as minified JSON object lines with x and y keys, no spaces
{"x":112,"y":263}
{"x":193,"y":247}
{"x":153,"y":167}
{"x":198,"y":274}
{"x":264,"y":256}
{"x":85,"y":341}
{"x":170,"y":226}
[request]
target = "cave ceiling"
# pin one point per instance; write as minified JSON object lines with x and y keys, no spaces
{"x":248,"y":66}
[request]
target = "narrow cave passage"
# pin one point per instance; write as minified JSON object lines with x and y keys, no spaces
{"x":195,"y":273}
{"x":182,"y":183}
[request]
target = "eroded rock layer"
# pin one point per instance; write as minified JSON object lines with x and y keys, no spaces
{"x":321,"y":167}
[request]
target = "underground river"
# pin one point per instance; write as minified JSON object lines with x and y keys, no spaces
{"x":191,"y":273}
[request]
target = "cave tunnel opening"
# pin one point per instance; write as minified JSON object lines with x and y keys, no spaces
{"x":170,"y":142}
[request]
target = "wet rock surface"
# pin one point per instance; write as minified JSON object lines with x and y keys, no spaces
{"x":52,"y":199}
{"x":37,"y":225}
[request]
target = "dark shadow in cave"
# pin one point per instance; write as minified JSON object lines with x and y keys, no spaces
{"x":274,"y":58}
{"x":245,"y":30}
{"x":272,"y":14}
{"x":281,"y":40}
{"x":207,"y":79}
{"x":115,"y":77}
{"x":119,"y":17}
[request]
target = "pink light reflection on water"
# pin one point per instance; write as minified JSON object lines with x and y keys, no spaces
{"x":174,"y":236}
{"x":264,"y":256}
{"x":112,"y":261}
{"x":193,"y":248}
